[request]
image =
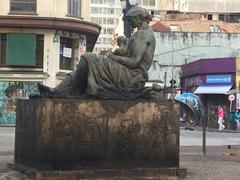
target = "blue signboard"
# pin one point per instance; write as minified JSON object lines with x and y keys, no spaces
{"x":215,"y":79}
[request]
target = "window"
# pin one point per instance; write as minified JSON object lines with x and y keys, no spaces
{"x":109,"y":31}
{"x":99,"y":41}
{"x":214,"y":28}
{"x":104,"y":40}
{"x":67,"y":53}
{"x":109,"y":40}
{"x":23,"y":6}
{"x":104,"y":21}
{"x":13,"y":53}
{"x":94,"y":10}
{"x":110,"y":21}
{"x":94,"y":1}
{"x":39,"y":50}
{"x":94,"y":20}
{"x":74,"y":7}
{"x":100,"y":20}
{"x":104,"y":10}
{"x":103,"y":31}
{"x":110,"y":11}
{"x":175,"y":28}
{"x":230,"y":17}
{"x":152,"y":3}
{"x":210,"y":17}
{"x":145,"y":2}
{"x":3,"y":49}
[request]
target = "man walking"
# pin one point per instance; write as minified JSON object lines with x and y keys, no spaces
{"x":237,"y":119}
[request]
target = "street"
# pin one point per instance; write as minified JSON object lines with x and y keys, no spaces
{"x":187,"y":138}
{"x":194,"y":138}
{"x":7,"y":139}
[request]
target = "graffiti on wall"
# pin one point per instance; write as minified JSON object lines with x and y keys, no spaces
{"x":9,"y":93}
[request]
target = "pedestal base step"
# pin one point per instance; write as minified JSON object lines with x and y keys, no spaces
{"x":106,"y":174}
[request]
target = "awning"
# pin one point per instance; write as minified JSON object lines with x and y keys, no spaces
{"x":213,"y":89}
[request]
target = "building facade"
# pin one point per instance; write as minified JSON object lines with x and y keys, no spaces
{"x":226,"y":10}
{"x":40,"y":41}
{"x":105,"y":13}
{"x":212,"y":83}
{"x":108,"y":14}
{"x":183,"y":40}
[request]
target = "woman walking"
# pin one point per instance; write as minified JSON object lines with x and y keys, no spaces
{"x":220,"y":118}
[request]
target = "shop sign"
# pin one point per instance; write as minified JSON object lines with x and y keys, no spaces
{"x":67,"y":52}
{"x":218,"y":79}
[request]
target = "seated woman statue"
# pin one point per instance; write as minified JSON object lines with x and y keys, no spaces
{"x":113,"y":77}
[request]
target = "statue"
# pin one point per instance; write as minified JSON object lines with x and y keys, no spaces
{"x":113,"y":76}
{"x":122,"y":43}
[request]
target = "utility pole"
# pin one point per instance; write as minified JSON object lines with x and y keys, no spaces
{"x":172,"y":85}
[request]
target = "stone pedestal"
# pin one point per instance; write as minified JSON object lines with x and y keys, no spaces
{"x":59,"y":134}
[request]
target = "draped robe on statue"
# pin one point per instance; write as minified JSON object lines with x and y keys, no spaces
{"x":108,"y":79}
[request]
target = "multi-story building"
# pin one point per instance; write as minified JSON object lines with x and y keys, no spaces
{"x":184,"y":38}
{"x":167,"y":5}
{"x":105,"y":13}
{"x":40,"y":41}
{"x":227,"y":10}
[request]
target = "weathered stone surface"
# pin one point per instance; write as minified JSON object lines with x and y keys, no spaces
{"x":77,"y":134}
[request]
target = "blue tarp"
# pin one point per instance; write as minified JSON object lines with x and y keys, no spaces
{"x":192,"y":102}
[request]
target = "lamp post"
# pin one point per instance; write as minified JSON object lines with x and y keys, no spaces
{"x":172,"y":71}
{"x":126,"y":5}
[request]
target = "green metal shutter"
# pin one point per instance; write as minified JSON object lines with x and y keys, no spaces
{"x":21,"y":49}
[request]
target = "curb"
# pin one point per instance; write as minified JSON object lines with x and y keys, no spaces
{"x":7,"y":125}
{"x":209,"y":130}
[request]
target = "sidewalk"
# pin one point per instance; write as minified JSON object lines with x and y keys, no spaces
{"x":7,"y":125}
{"x":217,"y":164}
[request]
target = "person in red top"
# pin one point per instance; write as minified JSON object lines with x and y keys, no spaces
{"x":220,"y":118}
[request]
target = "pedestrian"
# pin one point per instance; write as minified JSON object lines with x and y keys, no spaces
{"x":220,"y":118}
{"x":237,"y":119}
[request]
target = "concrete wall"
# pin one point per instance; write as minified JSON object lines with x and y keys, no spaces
{"x":168,"y":5}
{"x":210,"y":5}
{"x":179,"y":48}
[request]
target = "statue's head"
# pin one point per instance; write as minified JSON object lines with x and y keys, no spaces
{"x":121,"y":40}
{"x":136,"y":15}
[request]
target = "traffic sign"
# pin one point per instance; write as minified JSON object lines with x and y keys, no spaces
{"x":231,"y":97}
